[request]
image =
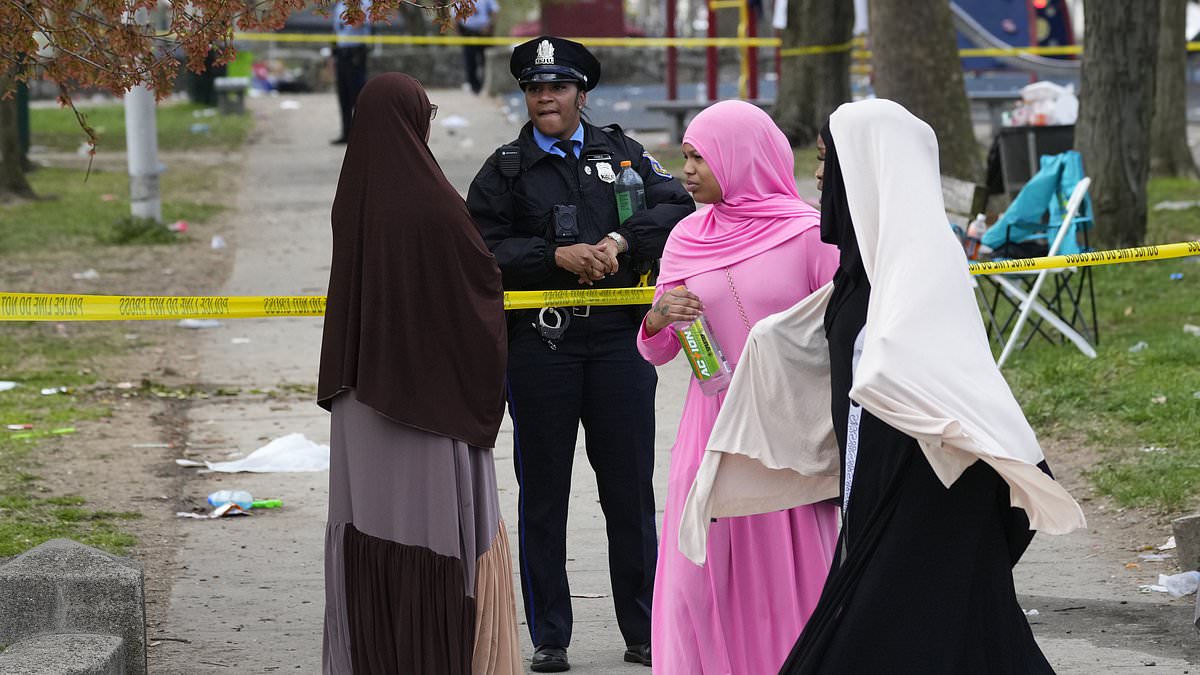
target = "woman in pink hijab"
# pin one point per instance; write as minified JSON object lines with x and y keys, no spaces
{"x":753,"y":250}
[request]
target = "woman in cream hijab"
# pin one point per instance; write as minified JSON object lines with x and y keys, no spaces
{"x":940,"y":477}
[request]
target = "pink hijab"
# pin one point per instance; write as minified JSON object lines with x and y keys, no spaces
{"x":760,"y":209}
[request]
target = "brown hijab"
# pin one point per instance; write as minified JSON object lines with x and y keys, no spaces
{"x":415,"y":316}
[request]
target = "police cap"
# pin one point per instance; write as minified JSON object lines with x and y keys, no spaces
{"x":553,"y":59}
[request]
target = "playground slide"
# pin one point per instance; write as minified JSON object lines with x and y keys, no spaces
{"x":981,"y":37}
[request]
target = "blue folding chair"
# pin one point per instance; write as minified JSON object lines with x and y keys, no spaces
{"x":1049,"y":216}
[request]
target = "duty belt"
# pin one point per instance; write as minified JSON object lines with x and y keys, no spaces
{"x":551,"y":322}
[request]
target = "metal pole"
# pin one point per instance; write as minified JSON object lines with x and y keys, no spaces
{"x":672,"y":56}
{"x":744,"y":52}
{"x":141,"y":145}
{"x":752,"y":52}
{"x":711,"y":63}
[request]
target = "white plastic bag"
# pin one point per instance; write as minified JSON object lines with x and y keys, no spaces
{"x":1049,"y":103}
{"x":286,"y":454}
{"x":1179,"y":585}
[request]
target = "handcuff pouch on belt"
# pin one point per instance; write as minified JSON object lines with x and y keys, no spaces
{"x":552,"y":322}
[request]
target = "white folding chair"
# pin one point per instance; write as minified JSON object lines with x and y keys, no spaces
{"x":1030,"y":302}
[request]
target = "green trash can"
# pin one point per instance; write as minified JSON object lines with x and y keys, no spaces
{"x":201,"y":87}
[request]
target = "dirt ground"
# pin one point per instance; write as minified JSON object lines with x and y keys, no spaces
{"x":245,"y":596}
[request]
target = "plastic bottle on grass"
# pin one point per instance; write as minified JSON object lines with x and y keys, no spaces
{"x":975,"y":232}
{"x":704,"y":355}
{"x":630,"y":191}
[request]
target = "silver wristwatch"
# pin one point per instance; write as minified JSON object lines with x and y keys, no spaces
{"x":622,"y":245}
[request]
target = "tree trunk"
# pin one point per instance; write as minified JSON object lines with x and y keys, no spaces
{"x":415,"y":21}
{"x":1169,"y":151}
{"x":915,"y":61}
{"x":811,"y":86}
{"x":1116,"y":104}
{"x":12,"y":159}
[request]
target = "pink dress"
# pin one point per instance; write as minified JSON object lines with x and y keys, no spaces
{"x":742,"y":611}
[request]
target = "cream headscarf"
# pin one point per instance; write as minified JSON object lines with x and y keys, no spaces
{"x":925,"y":369}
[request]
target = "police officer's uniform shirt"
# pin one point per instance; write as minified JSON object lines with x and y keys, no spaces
{"x":484,"y":9}
{"x":347,"y":34}
{"x":515,"y":215}
{"x":547,"y":143}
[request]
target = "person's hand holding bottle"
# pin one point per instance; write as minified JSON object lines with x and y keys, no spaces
{"x":676,"y":304}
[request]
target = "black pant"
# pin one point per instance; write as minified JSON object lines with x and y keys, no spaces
{"x":473,"y":59}
{"x":350,"y":69}
{"x":596,"y":377}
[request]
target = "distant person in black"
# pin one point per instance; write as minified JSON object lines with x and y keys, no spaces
{"x":546,"y":207}
{"x":349,"y":65}
{"x":480,"y":24}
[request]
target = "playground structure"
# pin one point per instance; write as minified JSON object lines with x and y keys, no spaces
{"x":983,"y":25}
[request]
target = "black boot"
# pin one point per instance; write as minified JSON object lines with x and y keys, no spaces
{"x":549,"y":659}
{"x":638,"y":654}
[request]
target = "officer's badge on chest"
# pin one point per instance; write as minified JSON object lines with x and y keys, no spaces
{"x":604,"y":171}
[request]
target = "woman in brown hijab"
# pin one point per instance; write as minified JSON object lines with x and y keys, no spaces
{"x":418,"y":576}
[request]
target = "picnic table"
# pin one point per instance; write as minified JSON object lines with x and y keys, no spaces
{"x":681,"y":112}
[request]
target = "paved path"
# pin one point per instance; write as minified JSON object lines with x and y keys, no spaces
{"x":249,"y":595}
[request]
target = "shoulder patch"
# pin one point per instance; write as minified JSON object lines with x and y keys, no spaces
{"x":654,"y":164}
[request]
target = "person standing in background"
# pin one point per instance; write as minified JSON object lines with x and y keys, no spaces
{"x":480,"y":24}
{"x":349,"y":63}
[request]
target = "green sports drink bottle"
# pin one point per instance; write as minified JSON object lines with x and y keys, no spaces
{"x":704,"y":355}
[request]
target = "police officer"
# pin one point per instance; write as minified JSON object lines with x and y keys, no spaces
{"x":546,"y":207}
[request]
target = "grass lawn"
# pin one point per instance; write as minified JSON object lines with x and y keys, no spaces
{"x":181,"y":126}
{"x":76,"y":212}
{"x":36,"y":358}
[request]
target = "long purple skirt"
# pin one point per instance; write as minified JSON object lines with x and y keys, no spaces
{"x":418,"y":577}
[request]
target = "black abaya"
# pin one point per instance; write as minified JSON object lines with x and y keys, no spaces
{"x":922,"y":579}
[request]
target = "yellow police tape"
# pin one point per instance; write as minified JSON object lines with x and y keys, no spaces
{"x":818,"y":49}
{"x":460,"y":40}
{"x":59,"y":307}
{"x":1112,"y":257}
{"x":765,"y":42}
{"x":62,"y":307}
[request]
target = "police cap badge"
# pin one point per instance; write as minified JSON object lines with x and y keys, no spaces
{"x":553,"y":59}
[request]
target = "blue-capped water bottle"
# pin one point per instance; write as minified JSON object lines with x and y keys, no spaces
{"x":242,"y":499}
{"x":223,"y":497}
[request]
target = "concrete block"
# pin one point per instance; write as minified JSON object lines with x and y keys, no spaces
{"x":65,"y":654}
{"x":231,"y":94}
{"x":498,"y":80}
{"x":1187,"y":541}
{"x":63,"y":586}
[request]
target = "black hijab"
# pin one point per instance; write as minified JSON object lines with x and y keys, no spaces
{"x":837,"y":228}
{"x":415,"y":317}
